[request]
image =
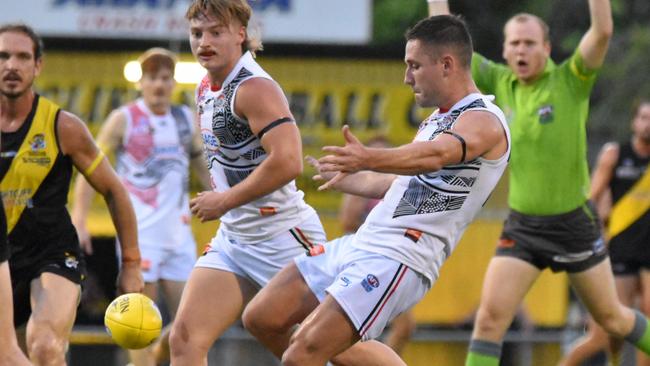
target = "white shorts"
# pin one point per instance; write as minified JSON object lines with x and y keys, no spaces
{"x":172,"y":264}
{"x":372,"y":289}
{"x":259,"y":262}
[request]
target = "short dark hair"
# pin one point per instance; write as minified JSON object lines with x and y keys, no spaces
{"x":445,"y":31}
{"x":29,"y":32}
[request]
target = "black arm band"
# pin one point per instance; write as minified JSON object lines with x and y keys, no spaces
{"x":273,"y":124}
{"x":463,"y":145}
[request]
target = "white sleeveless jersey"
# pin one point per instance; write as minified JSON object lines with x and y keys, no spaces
{"x":232,"y":152}
{"x":153,"y":164}
{"x":422,"y":217}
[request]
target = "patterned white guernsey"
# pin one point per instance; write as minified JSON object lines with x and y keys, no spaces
{"x":422,"y":217}
{"x":153,"y":164}
{"x":232,"y":152}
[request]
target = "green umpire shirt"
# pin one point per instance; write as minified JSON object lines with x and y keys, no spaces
{"x":548,"y":165}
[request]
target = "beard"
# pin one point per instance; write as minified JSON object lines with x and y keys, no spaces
{"x":14,"y":93}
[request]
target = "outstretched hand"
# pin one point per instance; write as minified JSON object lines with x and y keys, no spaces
{"x":347,"y":159}
{"x":330,"y":177}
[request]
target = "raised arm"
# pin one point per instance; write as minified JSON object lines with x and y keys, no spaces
{"x":594,"y":44}
{"x":109,"y":139}
{"x":76,"y":142}
{"x":438,"y":7}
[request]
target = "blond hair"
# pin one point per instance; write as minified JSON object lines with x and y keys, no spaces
{"x":226,"y":11}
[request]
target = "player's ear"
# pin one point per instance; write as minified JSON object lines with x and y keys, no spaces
{"x":448,"y":63}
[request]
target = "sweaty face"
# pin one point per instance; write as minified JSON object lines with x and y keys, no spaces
{"x":18,"y":68}
{"x":422,"y":74}
{"x":157,"y":88}
{"x":216,"y":46}
{"x":525,"y":50}
{"x":641,"y":123}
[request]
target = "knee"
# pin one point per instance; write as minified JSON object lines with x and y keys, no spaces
{"x":489,"y":317}
{"x":179,"y":339}
{"x":45,"y":346}
{"x":613,"y":321}
{"x":259,"y":322}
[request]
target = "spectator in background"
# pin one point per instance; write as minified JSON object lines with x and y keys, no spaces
{"x":622,"y":176}
{"x":154,"y":142}
{"x":353,"y":212}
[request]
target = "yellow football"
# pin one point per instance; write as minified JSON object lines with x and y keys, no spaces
{"x":133,"y":321}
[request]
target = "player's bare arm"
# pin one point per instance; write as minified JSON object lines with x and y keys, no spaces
{"x":602,"y":176}
{"x":593,"y":46}
{"x":197,"y":161}
{"x":363,"y":183}
{"x":480,"y":131}
{"x":76,"y":142}
{"x":109,"y":139}
{"x":438,"y":7}
{"x":262,"y":103}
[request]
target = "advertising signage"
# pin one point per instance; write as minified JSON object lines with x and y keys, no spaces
{"x":278,"y":21}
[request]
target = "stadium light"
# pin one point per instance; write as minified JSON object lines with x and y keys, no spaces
{"x":185,"y":73}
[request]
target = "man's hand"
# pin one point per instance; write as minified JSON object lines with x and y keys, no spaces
{"x":84,"y":238}
{"x":208,"y":206}
{"x":330,"y":178}
{"x":347,"y":159}
{"x":130,"y":278}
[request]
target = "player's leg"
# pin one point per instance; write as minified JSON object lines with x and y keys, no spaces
{"x":54,"y":301}
{"x":143,"y":357}
{"x":506,"y":282}
{"x":597,"y":340}
{"x":10,"y":353}
{"x":401,"y":329}
{"x":358,"y":303}
{"x":644,"y":277}
{"x":201,"y":319}
{"x":276,"y":310}
{"x":172,"y":291}
{"x":596,"y":288}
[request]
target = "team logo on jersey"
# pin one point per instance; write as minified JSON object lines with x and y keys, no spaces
{"x":370,"y":283}
{"x":37,"y":155}
{"x":545,"y":114}
{"x":210,"y":141}
{"x":38,"y":142}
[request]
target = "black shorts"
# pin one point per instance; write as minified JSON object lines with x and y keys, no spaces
{"x":629,"y":250}
{"x":43,"y":240}
{"x":570,"y":242}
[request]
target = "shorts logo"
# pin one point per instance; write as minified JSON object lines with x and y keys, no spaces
{"x":599,"y":245}
{"x":370,"y":282}
{"x":71,"y":262}
{"x":506,"y":243}
{"x":573,"y":257}
{"x":345,"y":282}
